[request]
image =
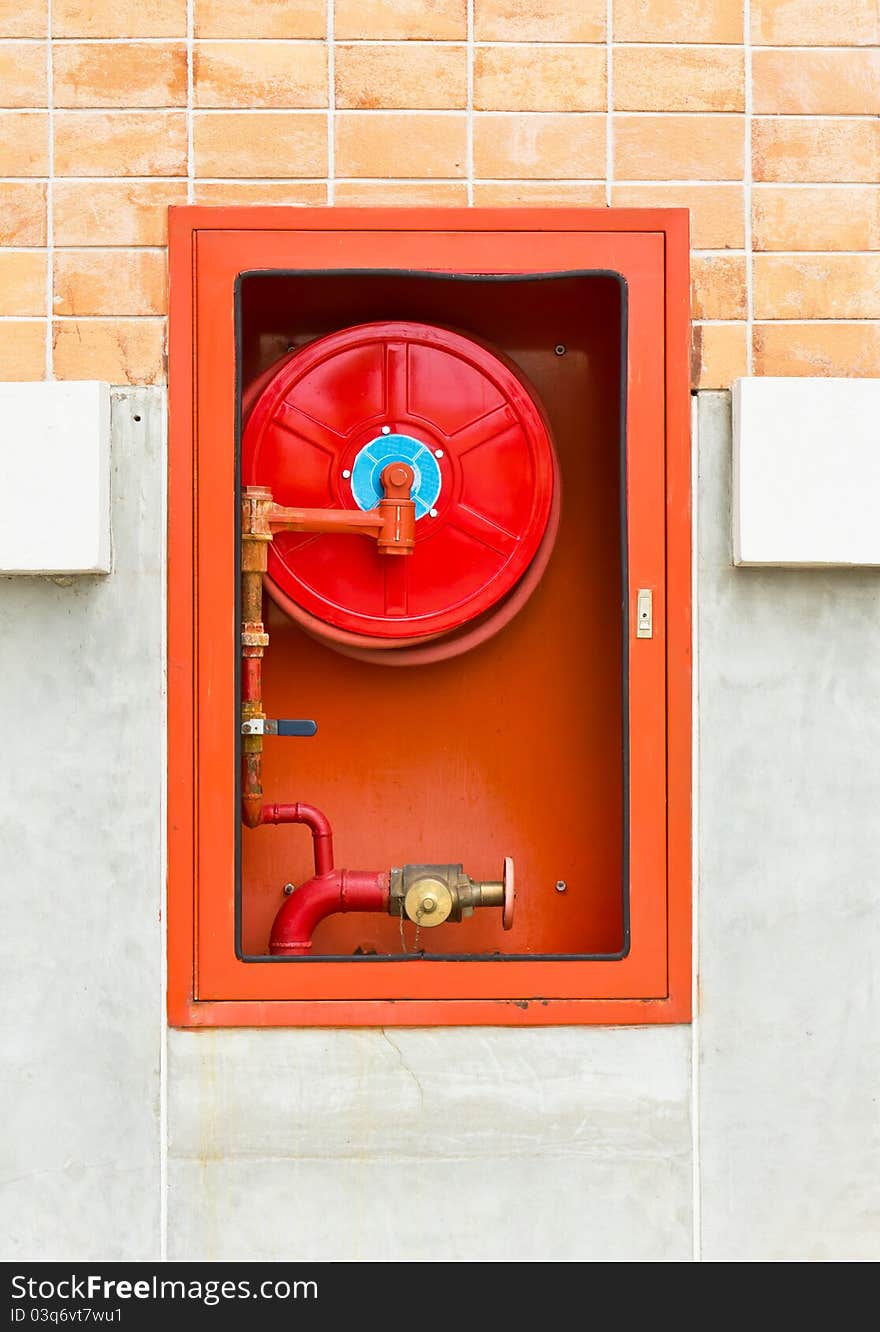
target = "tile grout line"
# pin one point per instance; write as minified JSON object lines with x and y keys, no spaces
{"x":356,"y":42}
{"x":832,"y":319}
{"x":331,"y":103}
{"x":470,"y":104}
{"x":78,"y":318}
{"x":461,"y":112}
{"x":764,"y":184}
{"x":190,"y":98}
{"x":491,"y":180}
{"x":84,"y":249}
{"x":50,"y":197}
{"x":696,"y":1163}
{"x":747,"y":187}
{"x":793,"y":254}
{"x":609,"y":100}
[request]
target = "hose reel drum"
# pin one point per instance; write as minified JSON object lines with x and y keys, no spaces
{"x":320,"y":428}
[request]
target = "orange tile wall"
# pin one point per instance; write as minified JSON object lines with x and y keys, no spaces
{"x":761,"y":116}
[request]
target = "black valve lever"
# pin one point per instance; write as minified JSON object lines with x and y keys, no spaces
{"x":284,"y":726}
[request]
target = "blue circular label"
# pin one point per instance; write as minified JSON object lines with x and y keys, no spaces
{"x":366,"y":474}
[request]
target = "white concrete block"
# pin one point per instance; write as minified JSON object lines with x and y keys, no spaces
{"x":55,"y":478}
{"x":81,"y":873}
{"x":789,"y":924}
{"x":806,"y":471}
{"x":565,"y":1144}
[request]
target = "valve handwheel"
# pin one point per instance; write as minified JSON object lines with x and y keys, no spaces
{"x":331,"y":418}
{"x":509,"y":894}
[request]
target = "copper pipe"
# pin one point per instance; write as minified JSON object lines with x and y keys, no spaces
{"x":251,"y":788}
{"x":350,"y":521}
{"x":254,"y":639}
{"x":251,"y":679}
{"x":392,"y":525}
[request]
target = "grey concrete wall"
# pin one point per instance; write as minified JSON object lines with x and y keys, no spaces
{"x":789,"y":899}
{"x":450,"y":1144}
{"x":80,"y":876}
{"x":559,"y":1143}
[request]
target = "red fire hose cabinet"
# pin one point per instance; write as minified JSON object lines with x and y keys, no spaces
{"x":429,"y":643}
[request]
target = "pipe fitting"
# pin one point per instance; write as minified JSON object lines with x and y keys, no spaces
{"x":392,"y":524}
{"x":425,"y":894}
{"x":304,"y":909}
{"x":315,"y":820}
{"x":428,"y":895}
{"x":397,"y":510}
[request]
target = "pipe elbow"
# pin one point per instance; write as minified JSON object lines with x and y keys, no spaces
{"x":308,"y":815}
{"x":322,"y":896}
{"x":251,"y":810}
{"x":313,"y":819}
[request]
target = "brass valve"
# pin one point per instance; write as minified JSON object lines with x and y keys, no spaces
{"x":428,"y":895}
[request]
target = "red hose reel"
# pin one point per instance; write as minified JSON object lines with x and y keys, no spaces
{"x":323,"y":423}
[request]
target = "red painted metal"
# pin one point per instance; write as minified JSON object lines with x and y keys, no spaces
{"x":330,"y":890}
{"x":322,"y":833}
{"x":391,"y":522}
{"x":338,"y":891}
{"x":251,"y":679}
{"x":477,"y":632}
{"x":509,"y":894}
{"x":561,"y":651}
{"x":470,"y":406}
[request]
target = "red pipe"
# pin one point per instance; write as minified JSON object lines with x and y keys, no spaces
{"x":251,"y":680}
{"x":322,"y":833}
{"x":340,"y":890}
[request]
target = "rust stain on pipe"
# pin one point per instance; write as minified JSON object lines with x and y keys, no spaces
{"x":392,"y":524}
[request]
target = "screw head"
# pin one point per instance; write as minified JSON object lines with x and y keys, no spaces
{"x":288,"y":889}
{"x":561,"y":885}
{"x":428,"y":905}
{"x":386,"y":430}
{"x":346,"y":474}
{"x":432,"y":513}
{"x":438,"y":453}
{"x":560,"y":349}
